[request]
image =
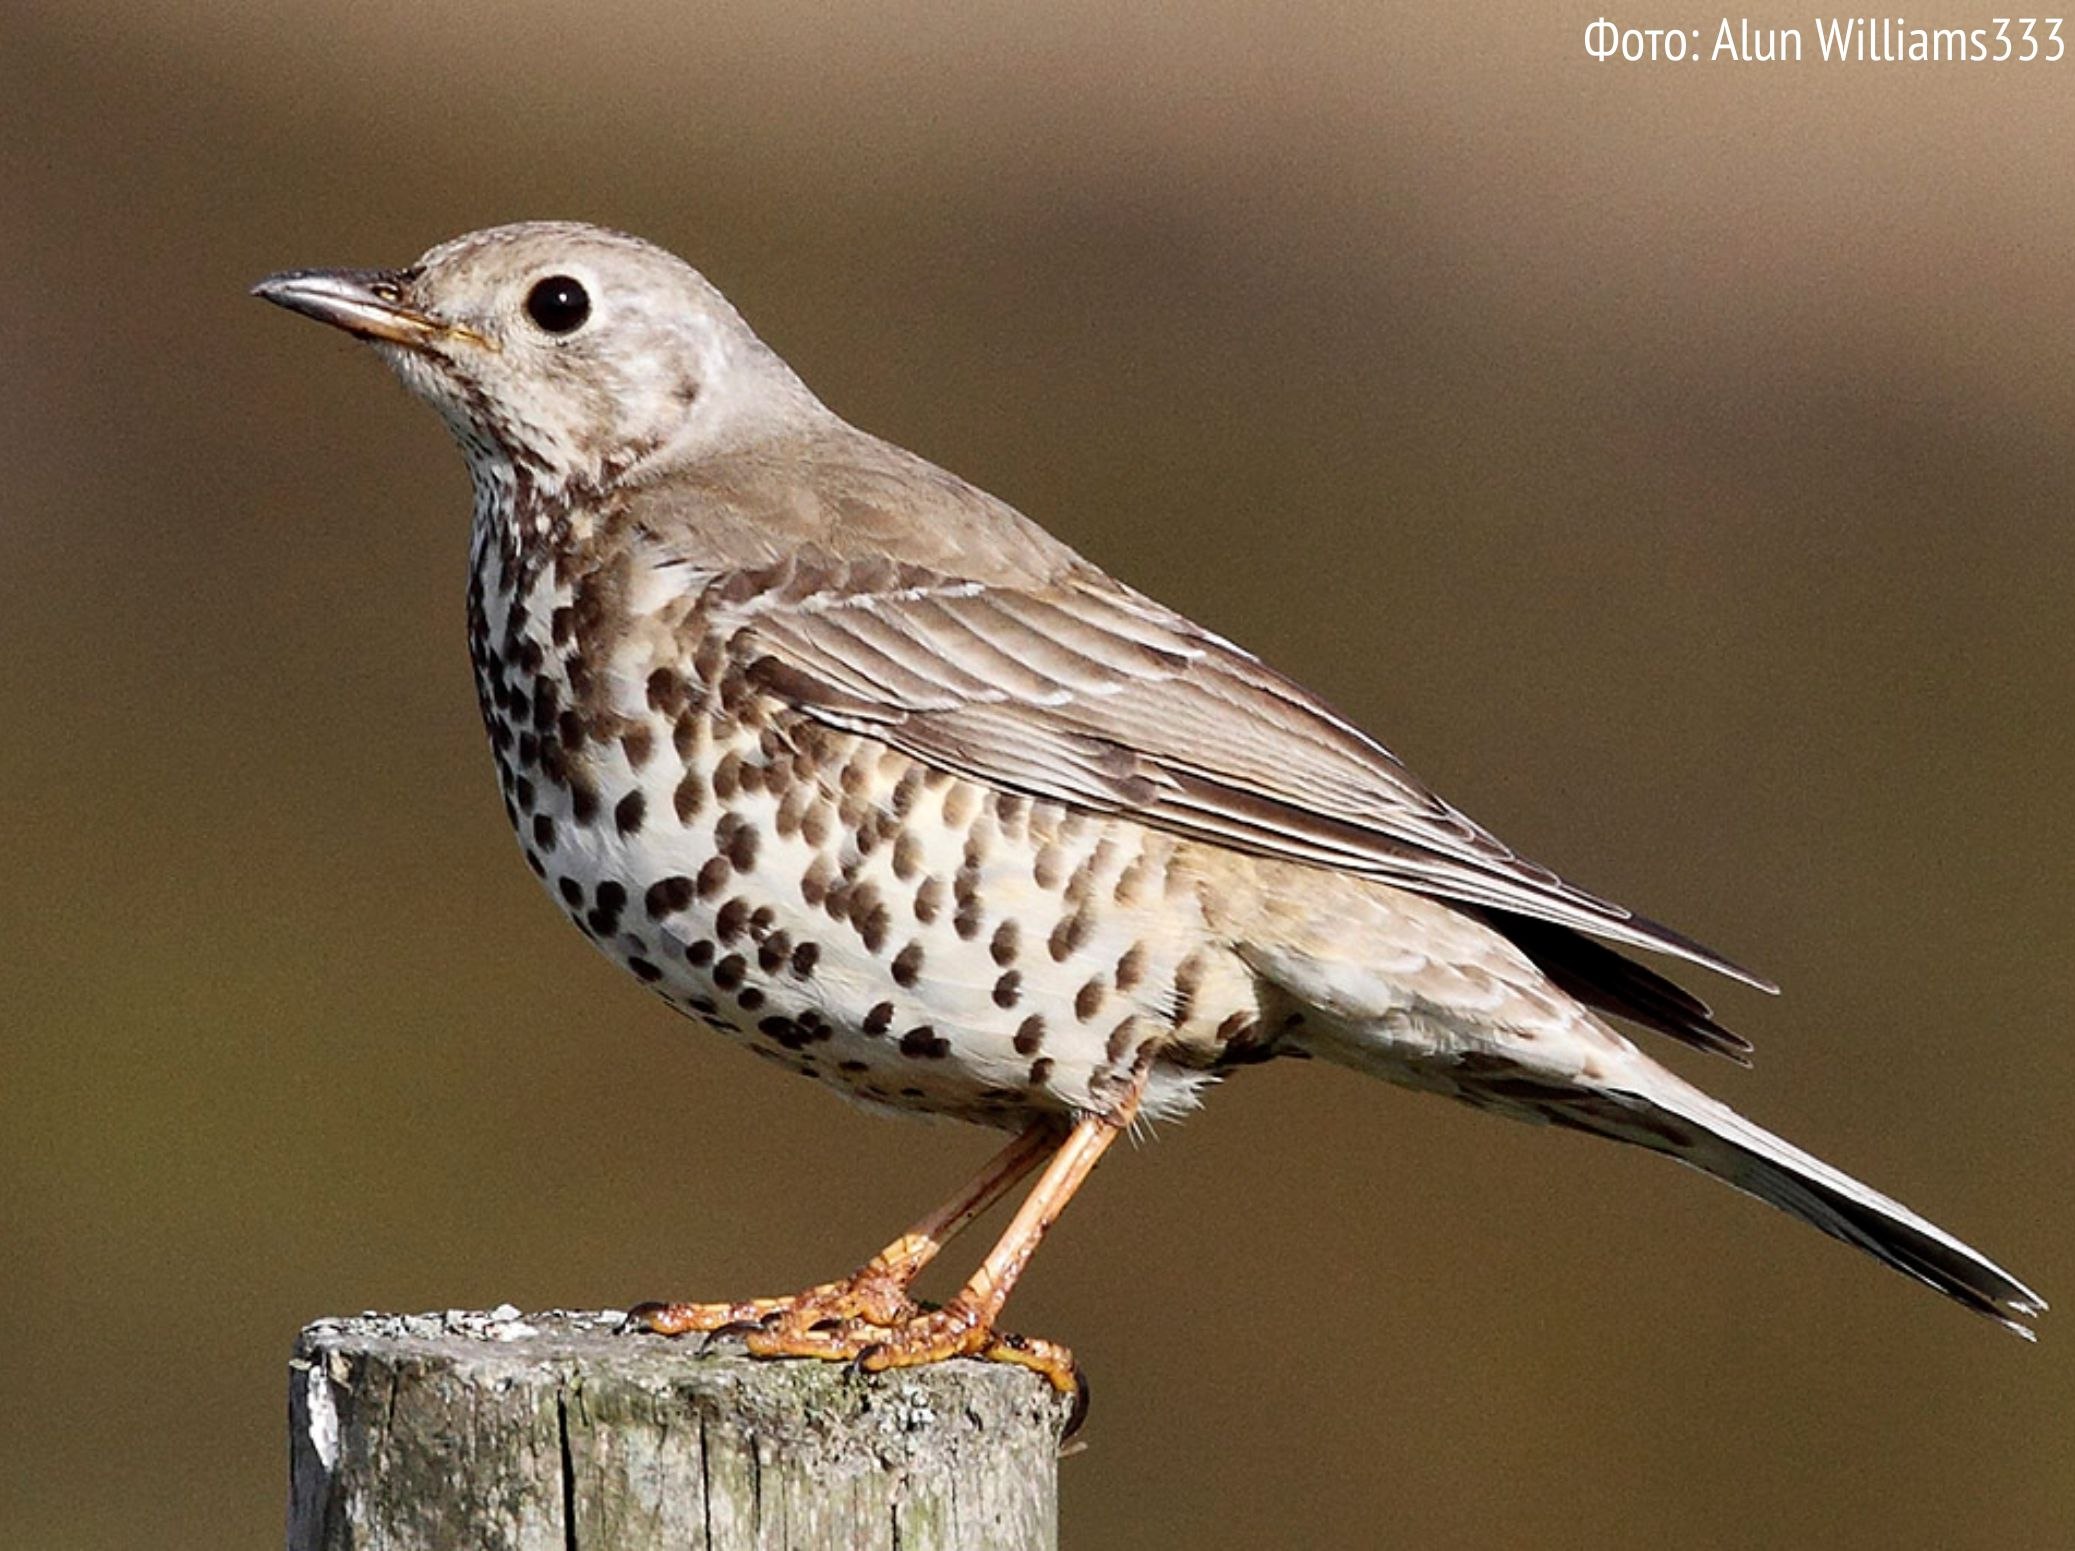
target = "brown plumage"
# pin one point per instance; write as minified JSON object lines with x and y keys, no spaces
{"x":854,"y":762}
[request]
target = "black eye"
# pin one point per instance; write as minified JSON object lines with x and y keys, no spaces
{"x":558,"y":304}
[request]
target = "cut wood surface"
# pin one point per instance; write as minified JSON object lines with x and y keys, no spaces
{"x":554,"y":1432}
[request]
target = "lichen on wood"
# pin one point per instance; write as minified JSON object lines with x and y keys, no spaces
{"x":556,"y":1432}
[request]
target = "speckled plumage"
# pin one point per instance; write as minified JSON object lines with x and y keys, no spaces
{"x":916,"y":940}
{"x":851,"y":761}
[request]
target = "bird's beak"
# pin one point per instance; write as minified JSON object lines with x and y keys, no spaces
{"x":366,"y":303}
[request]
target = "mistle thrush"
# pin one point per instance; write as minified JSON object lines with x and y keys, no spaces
{"x":855,"y":764}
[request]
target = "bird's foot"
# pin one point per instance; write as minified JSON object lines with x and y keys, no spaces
{"x":869,"y":1320}
{"x":922,"y":1335}
{"x":873,"y":1299}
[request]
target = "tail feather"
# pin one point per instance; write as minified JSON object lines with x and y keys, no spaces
{"x":1671,"y":1117}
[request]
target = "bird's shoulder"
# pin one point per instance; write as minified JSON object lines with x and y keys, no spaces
{"x":839,"y":500}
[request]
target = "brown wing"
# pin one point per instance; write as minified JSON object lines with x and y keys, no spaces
{"x":1085,"y":692}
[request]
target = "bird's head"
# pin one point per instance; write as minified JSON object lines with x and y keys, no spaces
{"x":580,"y":355}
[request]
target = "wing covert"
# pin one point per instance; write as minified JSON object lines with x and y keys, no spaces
{"x":1087,"y":693}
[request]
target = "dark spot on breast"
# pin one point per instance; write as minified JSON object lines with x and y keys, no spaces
{"x":644,"y":970}
{"x":1088,"y":1000}
{"x":925,"y":1043}
{"x":732,"y":919}
{"x":1067,"y":936}
{"x":544,"y":832}
{"x":1188,"y":980}
{"x":817,"y":823}
{"x":907,"y":965}
{"x":1119,"y":1044}
{"x":750,"y":997}
{"x":699,"y":953}
{"x":1030,"y":1035}
{"x":907,"y":855}
{"x":666,"y":896}
{"x":772,"y":951}
{"x":871,"y":918}
{"x":906,"y":790}
{"x":929,"y":900}
{"x":571,"y":891}
{"x":785,"y":1030}
{"x":1131,"y":966}
{"x":714,"y":873}
{"x":728,"y":974}
{"x":539,"y":867}
{"x":850,"y":817}
{"x":742,"y":847}
{"x":610,"y":900}
{"x":689,"y":797}
{"x":569,"y":729}
{"x":1007,"y":939}
{"x":666,"y":691}
{"x":526,"y":795}
{"x":637,"y":743}
{"x":727,"y":776}
{"x":1008,"y":990}
{"x":814,"y":882}
{"x":961,"y":801}
{"x":583,"y":800}
{"x":879,"y":1019}
{"x":1048,"y":867}
{"x":1040,"y":1071}
{"x":628,"y":811}
{"x":805,"y":957}
{"x":976,"y":843}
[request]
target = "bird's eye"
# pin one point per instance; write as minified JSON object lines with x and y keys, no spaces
{"x":558,"y":304}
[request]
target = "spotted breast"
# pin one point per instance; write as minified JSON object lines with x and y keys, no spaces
{"x":917,"y":940}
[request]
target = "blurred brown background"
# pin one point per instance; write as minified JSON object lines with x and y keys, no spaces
{"x":1674,"y":463}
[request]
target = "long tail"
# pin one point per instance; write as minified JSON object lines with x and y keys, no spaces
{"x":1657,"y":1110}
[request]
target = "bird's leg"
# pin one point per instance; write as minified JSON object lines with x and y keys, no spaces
{"x":877,"y":1292}
{"x":965,"y":1327}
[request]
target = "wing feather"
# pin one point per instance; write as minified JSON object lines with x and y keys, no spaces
{"x":1084,"y":692}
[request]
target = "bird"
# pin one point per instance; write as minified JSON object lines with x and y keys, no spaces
{"x":853,"y":762}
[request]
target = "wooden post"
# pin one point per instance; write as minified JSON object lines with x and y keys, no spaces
{"x":551,"y":1432}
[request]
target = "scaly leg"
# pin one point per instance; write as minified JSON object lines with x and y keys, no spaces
{"x":964,"y":1327}
{"x":877,"y":1293}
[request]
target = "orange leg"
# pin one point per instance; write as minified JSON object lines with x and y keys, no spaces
{"x":964,"y":1327}
{"x":877,"y":1293}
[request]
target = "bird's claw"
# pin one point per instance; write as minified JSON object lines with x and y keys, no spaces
{"x":871,"y":1298}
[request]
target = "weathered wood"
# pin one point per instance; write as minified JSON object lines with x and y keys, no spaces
{"x":553,"y":1433}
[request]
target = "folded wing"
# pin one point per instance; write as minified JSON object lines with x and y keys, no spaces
{"x":1087,"y":693}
